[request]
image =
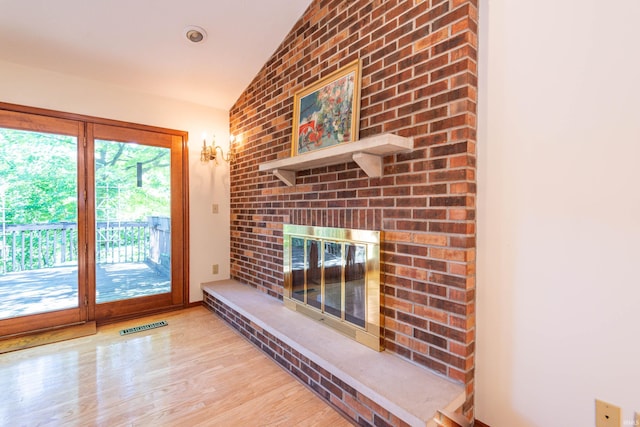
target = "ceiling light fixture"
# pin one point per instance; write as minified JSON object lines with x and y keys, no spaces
{"x":195,"y":34}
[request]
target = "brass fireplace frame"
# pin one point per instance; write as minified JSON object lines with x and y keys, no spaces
{"x":369,"y":332}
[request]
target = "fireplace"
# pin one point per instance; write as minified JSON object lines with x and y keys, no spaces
{"x":333,"y":275}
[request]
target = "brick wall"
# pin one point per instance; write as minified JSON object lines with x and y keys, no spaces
{"x":419,"y":79}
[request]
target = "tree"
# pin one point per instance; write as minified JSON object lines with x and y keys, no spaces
{"x":38,"y":178}
{"x":132,"y":180}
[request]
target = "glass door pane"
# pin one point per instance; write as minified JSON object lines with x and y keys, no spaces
{"x":298,"y":267}
{"x":355,"y":284}
{"x":314,"y":274}
{"x":333,"y":278}
{"x":132,"y":220}
{"x":38,"y":222}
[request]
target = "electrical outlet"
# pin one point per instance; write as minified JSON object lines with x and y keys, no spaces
{"x":214,"y":269}
{"x":607,"y":415}
{"x":214,"y":208}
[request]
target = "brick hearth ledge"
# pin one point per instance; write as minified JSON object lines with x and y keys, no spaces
{"x":366,"y":385}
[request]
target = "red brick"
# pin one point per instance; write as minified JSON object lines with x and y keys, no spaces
{"x":419,"y":79}
{"x":432,"y":39}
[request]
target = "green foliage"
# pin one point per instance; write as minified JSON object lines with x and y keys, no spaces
{"x":122,"y":193}
{"x":38,"y":179}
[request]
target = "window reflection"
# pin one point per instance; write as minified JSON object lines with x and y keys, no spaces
{"x":297,"y":268}
{"x":314,"y":275}
{"x":333,"y":278}
{"x":355,"y":294}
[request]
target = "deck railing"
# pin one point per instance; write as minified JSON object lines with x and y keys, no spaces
{"x":35,"y":246}
{"x":125,"y":241}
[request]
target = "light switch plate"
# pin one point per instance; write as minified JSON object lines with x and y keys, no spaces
{"x":607,"y":415}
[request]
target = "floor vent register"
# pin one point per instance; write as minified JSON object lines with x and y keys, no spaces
{"x":143,"y":327}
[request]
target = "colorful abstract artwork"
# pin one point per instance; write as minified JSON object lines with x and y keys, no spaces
{"x":327,"y":113}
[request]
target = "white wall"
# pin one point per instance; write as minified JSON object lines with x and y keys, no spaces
{"x":558,"y":289}
{"x":208,"y":184}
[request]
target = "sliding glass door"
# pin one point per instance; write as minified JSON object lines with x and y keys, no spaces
{"x":137,"y":220}
{"x":41,"y":228}
{"x":92,"y":221}
{"x":133,"y":220}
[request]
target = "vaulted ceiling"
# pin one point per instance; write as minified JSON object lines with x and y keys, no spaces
{"x":141,"y":45}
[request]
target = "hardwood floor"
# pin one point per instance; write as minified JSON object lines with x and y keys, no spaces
{"x":196,"y":372}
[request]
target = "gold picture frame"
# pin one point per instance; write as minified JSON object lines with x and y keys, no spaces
{"x":327,"y":113}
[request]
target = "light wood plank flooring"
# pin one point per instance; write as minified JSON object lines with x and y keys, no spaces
{"x":194,"y":372}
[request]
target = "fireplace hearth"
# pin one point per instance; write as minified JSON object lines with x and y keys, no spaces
{"x":333,"y":275}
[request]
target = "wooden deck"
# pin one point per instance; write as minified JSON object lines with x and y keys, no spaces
{"x":46,"y":289}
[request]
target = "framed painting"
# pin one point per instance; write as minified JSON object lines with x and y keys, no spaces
{"x":327,"y":113}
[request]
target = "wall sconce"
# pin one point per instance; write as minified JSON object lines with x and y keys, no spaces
{"x":210,"y":152}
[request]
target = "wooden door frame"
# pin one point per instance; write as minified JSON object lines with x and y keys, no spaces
{"x":77,"y":315}
{"x":180,"y":249}
{"x":121,"y":309}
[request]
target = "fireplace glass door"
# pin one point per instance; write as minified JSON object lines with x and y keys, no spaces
{"x":355,"y":291}
{"x":330,"y":276}
{"x":333,"y":275}
{"x":298,"y":268}
{"x":314,"y":274}
{"x":333,"y":279}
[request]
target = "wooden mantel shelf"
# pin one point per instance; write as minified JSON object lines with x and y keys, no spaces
{"x":367,"y":153}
